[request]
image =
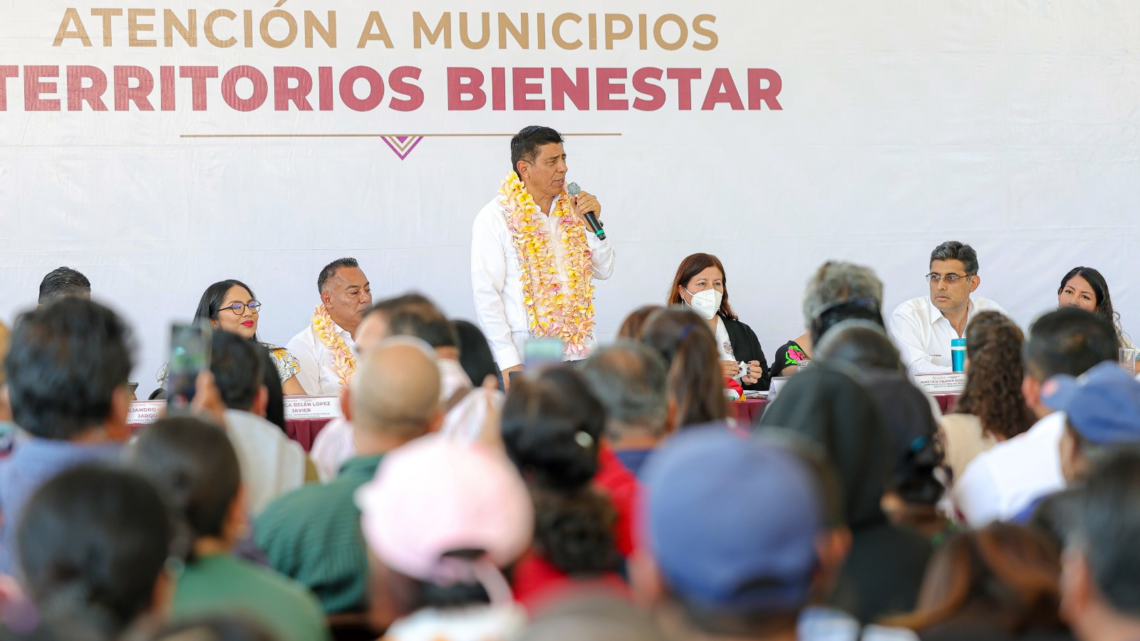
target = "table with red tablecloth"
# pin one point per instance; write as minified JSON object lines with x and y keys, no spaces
{"x":305,"y":430}
{"x":748,"y":411}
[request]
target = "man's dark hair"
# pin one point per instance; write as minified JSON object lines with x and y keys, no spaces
{"x":1107,"y":526}
{"x":526,"y":143}
{"x":1068,"y":341}
{"x":237,"y":368}
{"x":63,"y":281}
{"x":954,"y":250}
{"x":631,"y":381}
{"x":417,"y":316}
{"x":331,"y":269}
{"x":862,"y":343}
{"x":92,"y":543}
{"x":474,"y":352}
{"x":65,"y":362}
{"x":195,"y":465}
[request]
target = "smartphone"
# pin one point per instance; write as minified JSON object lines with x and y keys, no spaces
{"x":189,"y":354}
{"x":539,"y":353}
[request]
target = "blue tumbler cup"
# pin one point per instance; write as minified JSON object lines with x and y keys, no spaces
{"x":958,"y":354}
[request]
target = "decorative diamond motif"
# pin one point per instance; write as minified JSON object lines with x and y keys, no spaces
{"x":402,"y":145}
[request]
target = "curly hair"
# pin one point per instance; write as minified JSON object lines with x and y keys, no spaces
{"x":993,"y":383}
{"x":574,"y":531}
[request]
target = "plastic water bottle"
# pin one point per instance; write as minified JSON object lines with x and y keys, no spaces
{"x":958,"y":354}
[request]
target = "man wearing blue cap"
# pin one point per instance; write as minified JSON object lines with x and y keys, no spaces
{"x":1102,"y":410}
{"x":738,"y":532}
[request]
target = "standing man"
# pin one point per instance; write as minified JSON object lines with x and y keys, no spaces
{"x":324,"y":349}
{"x":534,"y":257}
{"x":923,"y":327}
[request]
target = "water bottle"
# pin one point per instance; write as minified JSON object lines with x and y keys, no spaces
{"x":958,"y":354}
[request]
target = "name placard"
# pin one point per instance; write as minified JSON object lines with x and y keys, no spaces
{"x":942,"y":383}
{"x":144,"y":412}
{"x":310,"y":407}
{"x":775,"y":386}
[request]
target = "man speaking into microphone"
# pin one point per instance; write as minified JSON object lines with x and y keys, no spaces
{"x":534,"y":255}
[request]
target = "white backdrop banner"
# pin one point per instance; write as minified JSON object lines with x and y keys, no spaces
{"x":161,"y":146}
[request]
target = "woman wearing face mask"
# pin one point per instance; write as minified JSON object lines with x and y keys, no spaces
{"x":700,"y":285}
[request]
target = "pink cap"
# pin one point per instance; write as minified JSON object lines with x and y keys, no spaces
{"x":436,"y":495}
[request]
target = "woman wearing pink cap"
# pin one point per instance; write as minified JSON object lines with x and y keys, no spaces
{"x":441,"y":520}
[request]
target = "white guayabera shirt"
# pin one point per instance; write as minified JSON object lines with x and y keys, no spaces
{"x":495,"y":278}
{"x":923,"y":334}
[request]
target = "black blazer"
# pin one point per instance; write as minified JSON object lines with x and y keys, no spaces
{"x":746,"y":347}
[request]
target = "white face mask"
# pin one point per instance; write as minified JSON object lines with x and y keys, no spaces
{"x":706,"y":303}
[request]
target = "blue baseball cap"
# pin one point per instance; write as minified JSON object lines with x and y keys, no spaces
{"x":1103,"y":404}
{"x":732,"y":521}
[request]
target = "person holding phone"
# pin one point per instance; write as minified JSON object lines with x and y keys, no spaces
{"x":700,"y":284}
{"x":230,"y":306}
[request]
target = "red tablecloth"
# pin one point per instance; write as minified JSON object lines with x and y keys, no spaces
{"x":305,"y":431}
{"x":749,"y":410}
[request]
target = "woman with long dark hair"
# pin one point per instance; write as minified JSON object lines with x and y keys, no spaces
{"x":695,"y":379}
{"x":701,"y":285}
{"x":1000,"y":582}
{"x":991,"y":408}
{"x":1086,"y":288}
{"x":230,"y":305}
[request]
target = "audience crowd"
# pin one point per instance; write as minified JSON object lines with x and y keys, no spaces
{"x":617,"y":498}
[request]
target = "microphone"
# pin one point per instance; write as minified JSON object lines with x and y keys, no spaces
{"x":595,"y":224}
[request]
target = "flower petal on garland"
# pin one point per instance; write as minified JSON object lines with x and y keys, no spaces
{"x":553,"y":310}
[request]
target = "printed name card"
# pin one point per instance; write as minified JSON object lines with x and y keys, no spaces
{"x":775,"y":386}
{"x":942,"y":383}
{"x":144,"y":412}
{"x":312,"y":407}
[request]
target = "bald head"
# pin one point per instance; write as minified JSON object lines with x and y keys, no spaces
{"x":396,"y":390}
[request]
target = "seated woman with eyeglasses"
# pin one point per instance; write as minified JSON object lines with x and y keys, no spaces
{"x":700,"y":284}
{"x":230,"y":306}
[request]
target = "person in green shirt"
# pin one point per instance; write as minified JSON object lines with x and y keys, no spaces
{"x":195,"y":464}
{"x":313,"y":534}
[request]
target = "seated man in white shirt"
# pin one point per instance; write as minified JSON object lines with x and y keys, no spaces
{"x":271,"y":463}
{"x":923,"y":327}
{"x":324,"y":348}
{"x":1002,"y":482}
{"x":546,"y":290}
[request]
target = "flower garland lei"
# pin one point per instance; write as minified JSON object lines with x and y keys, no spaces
{"x":344,"y":363}
{"x":552,"y":309}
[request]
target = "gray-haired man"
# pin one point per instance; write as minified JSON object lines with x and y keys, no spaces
{"x":630,"y":381}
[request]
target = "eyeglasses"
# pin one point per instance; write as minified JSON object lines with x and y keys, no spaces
{"x":951,"y":279}
{"x":239,"y":308}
